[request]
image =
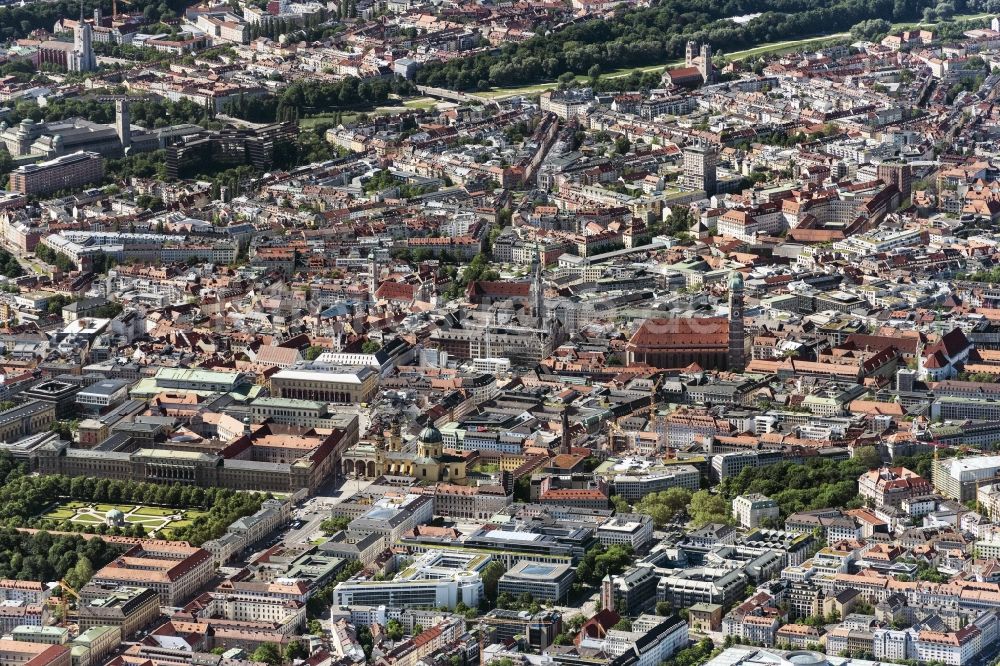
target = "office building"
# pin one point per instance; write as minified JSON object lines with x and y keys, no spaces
{"x":292,"y":412}
{"x":544,"y":582}
{"x":686,"y":587}
{"x":507,"y":546}
{"x":26,"y":591}
{"x":390,"y":517}
{"x":700,"y":165}
{"x":959,"y":478}
{"x":66,"y":172}
{"x":102,"y":396}
{"x":173,"y":570}
{"x":651,"y":641}
{"x":540,"y":629}
{"x":20,"y":653}
{"x":635,"y":482}
{"x":633,"y":591}
{"x":95,"y":644}
{"x":899,"y":174}
{"x":247,"y":531}
{"x":27,"y":419}
{"x":754,"y":656}
{"x":435,"y":579}
{"x":750,"y":509}
{"x":247,"y":610}
{"x":889,"y":486}
{"x":21,"y":614}
{"x":38,"y":634}
{"x":634,"y":530}
{"x":126,"y":607}
{"x":254,"y":146}
{"x":347,"y":545}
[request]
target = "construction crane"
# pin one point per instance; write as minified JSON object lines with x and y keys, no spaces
{"x":614,"y":429}
{"x":64,"y":600}
{"x":655,"y":421}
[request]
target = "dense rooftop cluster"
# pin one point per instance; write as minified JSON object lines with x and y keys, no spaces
{"x":517,"y":334}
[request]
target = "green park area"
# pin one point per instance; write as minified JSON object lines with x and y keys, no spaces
{"x":156,"y":520}
{"x":765,"y":49}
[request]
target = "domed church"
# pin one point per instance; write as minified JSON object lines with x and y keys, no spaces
{"x":429,"y":463}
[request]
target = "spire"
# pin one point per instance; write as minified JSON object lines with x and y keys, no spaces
{"x":565,"y":443}
{"x":81,"y":13}
{"x":373,"y":281}
{"x":539,"y":287}
{"x":736,"y":360}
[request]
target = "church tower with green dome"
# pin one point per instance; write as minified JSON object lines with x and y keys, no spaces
{"x":430,"y":444}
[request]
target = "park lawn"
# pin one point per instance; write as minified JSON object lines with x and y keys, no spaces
{"x":104,"y":508}
{"x":87,"y":518}
{"x":348,"y":117}
{"x":181,"y":523}
{"x":771,"y":47}
{"x":155,"y":522}
{"x":60,"y":514}
{"x":312,"y":121}
{"x":896,"y":27}
{"x":75,"y":504}
{"x":420,"y":103}
{"x":786,"y":46}
{"x":495,"y":93}
{"x":157,"y":511}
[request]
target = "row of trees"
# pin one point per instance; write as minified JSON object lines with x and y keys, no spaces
{"x":475,"y":270}
{"x":311,"y":146}
{"x":700,"y":508}
{"x":9,"y":266}
{"x":699,"y":653}
{"x":872,"y":29}
{"x":149,"y":112}
{"x":658,"y":34}
{"x":522,"y":602}
{"x":21,"y":70}
{"x":57,"y":259}
{"x":43,"y":556}
{"x":18,"y":20}
{"x":129,"y":52}
{"x":273,"y":655}
{"x":601,"y":561}
{"x":139,"y":165}
{"x":335,"y":524}
{"x":227,"y":507}
{"x":814,"y":484}
{"x":310,"y":97}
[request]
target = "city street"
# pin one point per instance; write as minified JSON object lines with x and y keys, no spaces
{"x":317,"y":509}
